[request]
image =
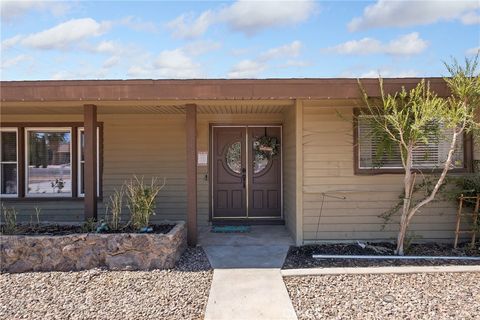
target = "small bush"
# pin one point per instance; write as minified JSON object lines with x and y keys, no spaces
{"x":89,"y":226}
{"x":10,"y":220}
{"x":141,"y":200}
{"x":469,"y":186}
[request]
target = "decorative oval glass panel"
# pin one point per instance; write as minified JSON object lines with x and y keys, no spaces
{"x":260,"y":162}
{"x":234,"y":157}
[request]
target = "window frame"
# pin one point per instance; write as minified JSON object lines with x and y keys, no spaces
{"x":22,"y":160}
{"x":26,"y":158}
{"x":467,"y":155}
{"x":11,"y":129}
{"x":79,"y":162}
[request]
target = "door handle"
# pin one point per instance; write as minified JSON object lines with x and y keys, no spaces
{"x":244,"y":177}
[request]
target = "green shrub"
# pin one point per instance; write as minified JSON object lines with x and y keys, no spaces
{"x":469,"y":186}
{"x":141,"y":200}
{"x":89,"y":226}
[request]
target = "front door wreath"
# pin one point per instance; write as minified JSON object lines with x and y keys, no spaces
{"x":266,"y":147}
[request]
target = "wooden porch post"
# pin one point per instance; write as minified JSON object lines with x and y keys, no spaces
{"x":191,"y":133}
{"x":90,"y":154}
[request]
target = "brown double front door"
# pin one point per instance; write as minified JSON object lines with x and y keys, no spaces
{"x":246,"y":172}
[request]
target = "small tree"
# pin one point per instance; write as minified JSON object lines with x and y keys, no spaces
{"x":407,"y":120}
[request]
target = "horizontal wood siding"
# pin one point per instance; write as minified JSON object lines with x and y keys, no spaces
{"x":289,"y":171}
{"x":148,"y":145}
{"x":329,"y":176}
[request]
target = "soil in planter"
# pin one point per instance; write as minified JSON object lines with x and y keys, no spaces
{"x":61,"y":230}
{"x":301,"y":257}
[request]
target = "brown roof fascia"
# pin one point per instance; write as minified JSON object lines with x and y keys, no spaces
{"x":250,"y":89}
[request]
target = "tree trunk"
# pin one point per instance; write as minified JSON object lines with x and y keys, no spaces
{"x":409,"y":182}
{"x":401,"y":236}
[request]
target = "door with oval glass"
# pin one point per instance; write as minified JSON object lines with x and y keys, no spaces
{"x":246,"y":172}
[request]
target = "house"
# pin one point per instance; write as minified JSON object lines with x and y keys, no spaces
{"x":232,"y":151}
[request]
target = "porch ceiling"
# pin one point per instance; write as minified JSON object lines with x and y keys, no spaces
{"x":149,"y":107}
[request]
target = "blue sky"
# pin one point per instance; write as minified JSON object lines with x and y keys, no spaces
{"x":235,"y":39}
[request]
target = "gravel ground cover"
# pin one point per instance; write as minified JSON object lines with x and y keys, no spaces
{"x":386,"y":296}
{"x":301,"y":257}
{"x":180,"y":293}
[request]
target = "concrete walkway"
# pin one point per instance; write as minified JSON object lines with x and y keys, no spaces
{"x":247,"y":282}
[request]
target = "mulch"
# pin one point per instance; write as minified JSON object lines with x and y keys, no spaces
{"x":301,"y":257}
{"x":61,"y":230}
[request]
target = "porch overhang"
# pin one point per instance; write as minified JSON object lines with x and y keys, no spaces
{"x":187,"y":90}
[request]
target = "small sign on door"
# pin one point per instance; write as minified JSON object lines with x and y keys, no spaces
{"x":202,"y":159}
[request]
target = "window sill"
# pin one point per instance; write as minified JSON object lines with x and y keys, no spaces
{"x":371,"y":172}
{"x":46,"y":199}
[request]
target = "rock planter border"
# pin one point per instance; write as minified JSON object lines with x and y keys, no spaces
{"x":81,"y":251}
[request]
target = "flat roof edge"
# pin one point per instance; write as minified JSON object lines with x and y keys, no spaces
{"x":205,"y":89}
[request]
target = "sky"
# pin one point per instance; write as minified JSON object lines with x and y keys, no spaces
{"x":52,"y":40}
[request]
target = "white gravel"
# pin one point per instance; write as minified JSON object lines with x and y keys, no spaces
{"x":180,"y":293}
{"x":389,"y":296}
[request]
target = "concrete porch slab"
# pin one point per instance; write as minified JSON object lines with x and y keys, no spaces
{"x":263,"y":247}
{"x":259,"y":236}
{"x":222,"y":257}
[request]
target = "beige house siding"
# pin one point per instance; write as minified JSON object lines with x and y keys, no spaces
{"x":154,"y":145}
{"x":289,"y":171}
{"x":329,"y":176}
{"x":150,"y":145}
{"x":144,"y":145}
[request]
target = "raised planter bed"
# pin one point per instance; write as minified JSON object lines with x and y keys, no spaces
{"x":81,"y":251}
{"x":302,"y":257}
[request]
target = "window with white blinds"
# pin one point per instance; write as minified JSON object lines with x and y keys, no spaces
{"x":431,"y":155}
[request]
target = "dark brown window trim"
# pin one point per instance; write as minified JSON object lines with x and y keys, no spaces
{"x":467,"y":155}
{"x":45,"y":199}
{"x":74,"y":140}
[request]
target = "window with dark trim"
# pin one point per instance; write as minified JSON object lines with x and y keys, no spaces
{"x":371,"y":158}
{"x":40,"y":160}
{"x":48,"y":162}
{"x":8,"y":162}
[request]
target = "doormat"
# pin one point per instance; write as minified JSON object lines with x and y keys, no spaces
{"x":230,"y":229}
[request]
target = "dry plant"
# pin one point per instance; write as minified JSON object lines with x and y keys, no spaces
{"x":141,"y":200}
{"x":10,"y":217}
{"x":114,"y":206}
{"x":37,"y":216}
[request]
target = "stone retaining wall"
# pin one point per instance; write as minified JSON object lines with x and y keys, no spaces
{"x":122,"y":251}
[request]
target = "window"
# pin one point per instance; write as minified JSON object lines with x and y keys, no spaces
{"x":431,"y":155}
{"x":44,"y":160}
{"x":8,"y":162}
{"x":49,"y":159}
{"x":81,"y":162}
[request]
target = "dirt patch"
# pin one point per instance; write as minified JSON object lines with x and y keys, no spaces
{"x":301,"y":257}
{"x":61,"y":230}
